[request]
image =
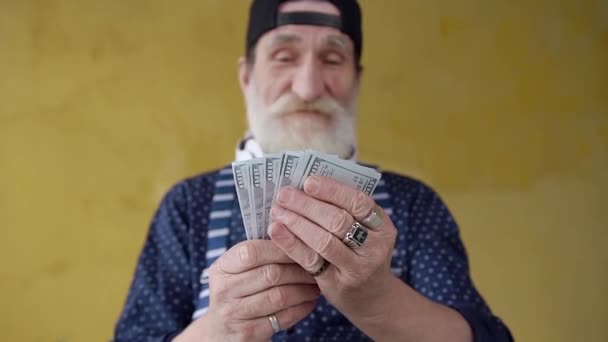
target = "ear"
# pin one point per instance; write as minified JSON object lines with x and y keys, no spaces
{"x":359,"y":74}
{"x":244,"y":74}
{"x":357,"y":80}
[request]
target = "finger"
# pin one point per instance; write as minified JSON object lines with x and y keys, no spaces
{"x":320,"y":240}
{"x":335,"y":220}
{"x":352,"y":200}
{"x":287,"y":318}
{"x":267,"y":276}
{"x":250,"y":254}
{"x":275,"y":299}
{"x":306,"y":257}
{"x":290,"y":316}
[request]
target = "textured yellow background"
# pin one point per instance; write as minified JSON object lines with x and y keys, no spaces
{"x":502,"y":106}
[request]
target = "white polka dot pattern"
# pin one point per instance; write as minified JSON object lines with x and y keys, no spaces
{"x":429,"y":256}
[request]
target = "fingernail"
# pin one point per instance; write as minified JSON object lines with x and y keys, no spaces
{"x":272,"y":230}
{"x":277,"y":211}
{"x":284,"y":195}
{"x":278,"y":233}
{"x":311,"y":185}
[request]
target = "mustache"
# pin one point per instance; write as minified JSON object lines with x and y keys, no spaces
{"x":290,"y":103}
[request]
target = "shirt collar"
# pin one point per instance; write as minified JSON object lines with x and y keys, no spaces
{"x":248,"y":148}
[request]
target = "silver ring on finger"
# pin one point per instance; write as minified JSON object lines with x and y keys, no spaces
{"x":356,"y":236}
{"x":321,"y":269}
{"x":274,"y":323}
{"x":374,"y":219}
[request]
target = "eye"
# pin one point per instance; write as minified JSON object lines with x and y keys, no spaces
{"x":333,"y":58}
{"x":284,"y":56}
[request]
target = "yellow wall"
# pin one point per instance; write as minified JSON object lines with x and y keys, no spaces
{"x":501,"y":105}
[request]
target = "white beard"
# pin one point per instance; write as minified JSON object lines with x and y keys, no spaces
{"x":276,"y":130}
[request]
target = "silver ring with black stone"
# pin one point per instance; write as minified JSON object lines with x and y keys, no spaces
{"x":356,"y":235}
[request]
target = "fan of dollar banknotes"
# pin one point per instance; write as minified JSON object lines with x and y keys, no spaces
{"x":259,"y":180}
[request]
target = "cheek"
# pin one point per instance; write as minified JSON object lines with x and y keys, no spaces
{"x":275,"y":84}
{"x":341,"y":87}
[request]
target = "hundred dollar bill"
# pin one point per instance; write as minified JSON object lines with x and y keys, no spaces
{"x":298,"y":172}
{"x":359,"y":177}
{"x":272,"y":171}
{"x":256,"y":194}
{"x":241,"y":178}
{"x":288,"y":165}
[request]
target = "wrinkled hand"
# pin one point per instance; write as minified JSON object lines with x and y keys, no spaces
{"x":250,"y":281}
{"x":310,"y":225}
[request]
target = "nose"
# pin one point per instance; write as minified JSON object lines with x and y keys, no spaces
{"x":308,"y":82}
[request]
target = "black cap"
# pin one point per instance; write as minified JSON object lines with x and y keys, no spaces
{"x":264,"y":16}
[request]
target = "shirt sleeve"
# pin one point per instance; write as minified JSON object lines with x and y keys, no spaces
{"x":438,"y":266}
{"x":159,"y":304}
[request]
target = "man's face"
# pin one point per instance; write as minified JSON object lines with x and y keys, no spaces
{"x":301,"y":90}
